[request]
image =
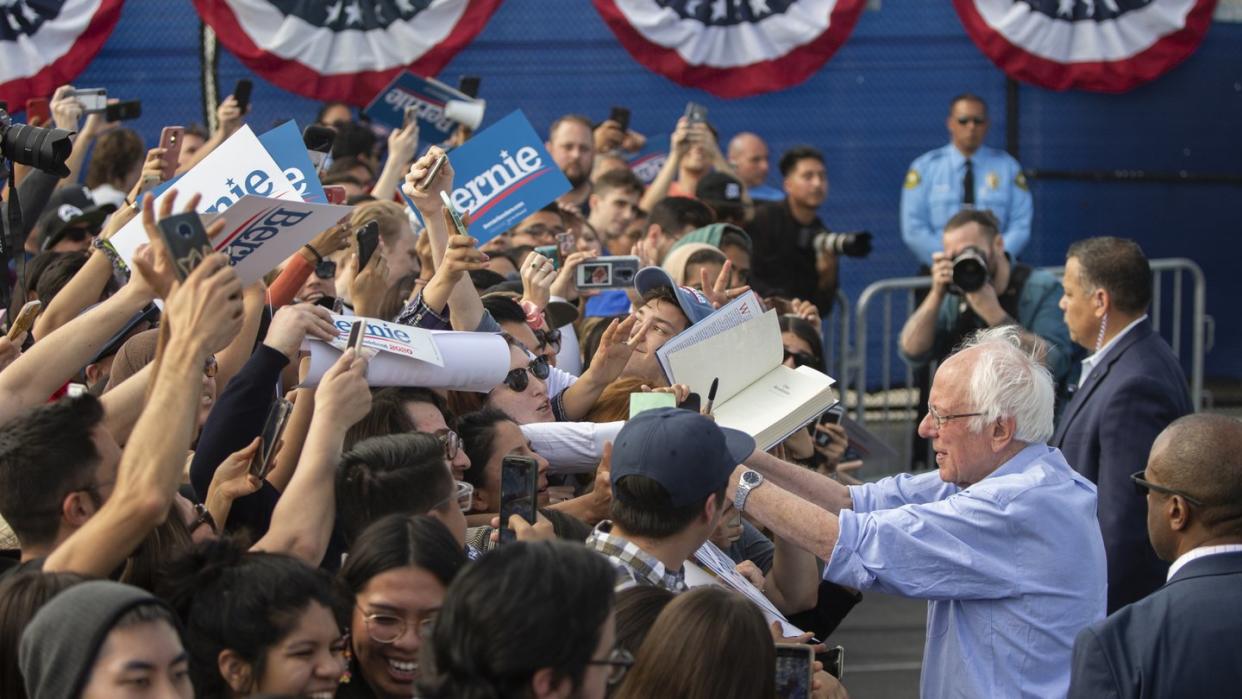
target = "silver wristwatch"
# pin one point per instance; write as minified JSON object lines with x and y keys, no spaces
{"x":748,"y":481}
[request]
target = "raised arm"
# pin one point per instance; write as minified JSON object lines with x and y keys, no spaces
{"x":302,"y":521}
{"x":401,"y":145}
{"x":679,"y":143}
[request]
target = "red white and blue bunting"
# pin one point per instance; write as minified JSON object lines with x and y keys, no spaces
{"x":1096,"y":45}
{"x":344,"y":50}
{"x":732,"y":48}
{"x":46,"y":43}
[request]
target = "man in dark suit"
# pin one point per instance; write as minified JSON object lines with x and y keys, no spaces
{"x":1182,"y":640}
{"x":1130,"y":389}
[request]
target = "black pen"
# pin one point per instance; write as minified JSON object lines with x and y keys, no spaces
{"x":711,"y":396}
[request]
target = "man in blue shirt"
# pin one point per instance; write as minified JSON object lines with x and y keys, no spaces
{"x":748,"y":155}
{"x":1002,"y":539}
{"x":964,"y":174}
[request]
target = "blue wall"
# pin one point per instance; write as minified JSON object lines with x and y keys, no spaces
{"x":878,"y":104}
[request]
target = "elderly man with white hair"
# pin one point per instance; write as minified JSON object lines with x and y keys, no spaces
{"x":1002,"y":539}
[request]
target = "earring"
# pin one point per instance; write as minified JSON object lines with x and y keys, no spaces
{"x":1099,"y":339}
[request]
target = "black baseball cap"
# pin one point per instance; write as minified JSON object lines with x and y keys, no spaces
{"x":68,"y":207}
{"x":686,"y":453}
{"x":719,"y":187}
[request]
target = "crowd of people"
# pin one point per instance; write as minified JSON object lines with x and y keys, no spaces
{"x":150,"y":550}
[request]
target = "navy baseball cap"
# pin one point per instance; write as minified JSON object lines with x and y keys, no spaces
{"x":686,"y":453}
{"x":691,"y":301}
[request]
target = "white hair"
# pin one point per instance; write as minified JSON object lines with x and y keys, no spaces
{"x":1010,"y":380}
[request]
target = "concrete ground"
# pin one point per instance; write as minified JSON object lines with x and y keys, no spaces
{"x":883,"y":640}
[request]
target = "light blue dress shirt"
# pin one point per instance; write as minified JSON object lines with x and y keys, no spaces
{"x":766,"y":193}
{"x":932,"y":193}
{"x":1013,"y":568}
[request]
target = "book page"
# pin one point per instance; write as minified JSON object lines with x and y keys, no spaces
{"x":738,"y":356}
{"x":744,"y":308}
{"x":776,"y":404}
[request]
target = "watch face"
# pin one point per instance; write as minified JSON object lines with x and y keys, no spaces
{"x":751,"y":478}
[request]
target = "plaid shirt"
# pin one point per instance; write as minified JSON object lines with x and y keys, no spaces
{"x":634,"y":566}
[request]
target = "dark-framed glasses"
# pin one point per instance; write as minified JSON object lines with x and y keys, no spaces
{"x":619,"y":662}
{"x":939,"y":419}
{"x":978,"y":120}
{"x":549,"y":338}
{"x":326,"y":269}
{"x":518,"y":379}
{"x":388,"y":628}
{"x":1142,"y":485}
{"x":801,"y":358}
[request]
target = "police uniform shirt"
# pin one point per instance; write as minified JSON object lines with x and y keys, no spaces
{"x":932,"y":194}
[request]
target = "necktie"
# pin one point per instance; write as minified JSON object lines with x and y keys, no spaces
{"x":968,"y":184}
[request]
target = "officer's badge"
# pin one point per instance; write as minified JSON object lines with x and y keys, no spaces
{"x":993,"y":180}
{"x":912,"y":179}
{"x":1020,"y":180}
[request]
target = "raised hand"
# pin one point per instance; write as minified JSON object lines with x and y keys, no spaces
{"x":343,"y":396}
{"x":293,"y":323}
{"x":537,"y":277}
{"x":428,"y":200}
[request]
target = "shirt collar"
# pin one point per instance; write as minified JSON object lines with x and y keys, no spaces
{"x":958,"y":160}
{"x":624,"y":553}
{"x":1094,"y":360}
{"x":1201,"y":552}
{"x":1020,"y":461}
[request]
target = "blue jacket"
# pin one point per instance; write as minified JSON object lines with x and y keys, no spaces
{"x":1181,"y":641}
{"x":1106,"y":433}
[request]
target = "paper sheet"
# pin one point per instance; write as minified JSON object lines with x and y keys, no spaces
{"x":718,"y":569}
{"x":473,"y":362}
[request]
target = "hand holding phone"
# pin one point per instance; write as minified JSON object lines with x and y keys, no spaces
{"x":123,"y":111}
{"x":170,"y":141}
{"x":519,"y":492}
{"x":452,"y":213}
{"x":273,"y":427}
{"x":25,"y":319}
{"x":92,"y":99}
{"x":186,"y":239}
{"x":241,"y":93}
{"x":696,"y":113}
{"x":368,"y":241}
{"x":795,"y":665}
{"x":621,"y":116}
{"x":424,"y":183}
{"x":831,"y":416}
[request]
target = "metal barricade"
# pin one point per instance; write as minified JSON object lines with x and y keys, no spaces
{"x":890,"y":407}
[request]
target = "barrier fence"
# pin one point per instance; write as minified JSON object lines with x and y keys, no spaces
{"x":879,"y":388}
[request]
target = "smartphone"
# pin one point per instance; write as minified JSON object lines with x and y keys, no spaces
{"x":519,"y":492}
{"x":469,"y":85}
{"x":552,"y":252}
{"x":621,"y":115}
{"x":332,"y":303}
{"x":93,"y":99}
{"x":566,"y":243}
{"x":170,"y":141}
{"x":693,"y":403}
{"x":38,"y":112}
{"x":368,"y":240}
{"x":241,"y":93}
{"x":186,"y":240}
{"x":452,"y":213}
{"x":834,"y":662}
{"x":273,"y":427}
{"x":25,"y":319}
{"x":794,"y":665}
{"x":696,"y":113}
{"x":357,"y":335}
{"x":831,"y":416}
{"x":123,"y":111}
{"x":335,"y":193}
{"x":431,"y":174}
{"x":616,"y":272}
{"x":318,"y":140}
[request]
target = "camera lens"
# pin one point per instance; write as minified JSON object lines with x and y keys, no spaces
{"x":185,"y":230}
{"x":970,"y":270}
{"x":42,"y":149}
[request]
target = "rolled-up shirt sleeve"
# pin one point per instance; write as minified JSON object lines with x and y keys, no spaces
{"x":571,"y":447}
{"x":961,"y":547}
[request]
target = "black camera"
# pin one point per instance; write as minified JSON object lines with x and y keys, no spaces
{"x":40,"y":148}
{"x":852,"y":244}
{"x":970,"y":271}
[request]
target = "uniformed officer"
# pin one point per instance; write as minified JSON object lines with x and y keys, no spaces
{"x":965,"y":173}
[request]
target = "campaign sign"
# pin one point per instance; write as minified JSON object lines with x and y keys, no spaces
{"x":646,"y":163}
{"x":382,"y":336}
{"x":427,"y":95}
{"x":239,"y":167}
{"x":502,"y":175}
{"x":260,"y":232}
{"x":284,"y":143}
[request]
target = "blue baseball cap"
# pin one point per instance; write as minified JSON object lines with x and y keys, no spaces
{"x":686,"y":453}
{"x":691,"y":301}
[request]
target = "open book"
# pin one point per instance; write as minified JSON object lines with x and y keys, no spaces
{"x":740,"y":344}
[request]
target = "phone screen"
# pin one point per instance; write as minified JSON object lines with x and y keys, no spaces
{"x":186,"y":240}
{"x":469,"y":85}
{"x":368,"y":240}
{"x":793,"y":671}
{"x":519,"y":492}
{"x":696,"y":113}
{"x":123,"y":111}
{"x":431,"y":174}
{"x":832,"y":416}
{"x":607,"y":272}
{"x":834,"y":662}
{"x":356,"y":335}
{"x":551,"y":252}
{"x":621,"y":115}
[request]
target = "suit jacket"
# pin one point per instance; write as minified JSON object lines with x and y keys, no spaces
{"x":1181,"y":641}
{"x":1106,"y":433}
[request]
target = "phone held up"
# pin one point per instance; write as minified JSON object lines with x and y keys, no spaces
{"x":368,"y":240}
{"x":25,"y":319}
{"x":273,"y":427}
{"x":519,"y":492}
{"x":831,"y":416}
{"x":186,"y":240}
{"x":241,"y":93}
{"x":794,"y":670}
{"x":616,"y":272}
{"x":621,"y":116}
{"x":170,"y":141}
{"x":695,"y":113}
{"x":454,"y":216}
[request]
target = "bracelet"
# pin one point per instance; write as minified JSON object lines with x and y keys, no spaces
{"x":313,"y":251}
{"x":118,"y":265}
{"x":132,"y":204}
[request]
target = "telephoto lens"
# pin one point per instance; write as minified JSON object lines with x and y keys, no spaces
{"x":40,"y":148}
{"x":853,"y":244}
{"x":970,"y":271}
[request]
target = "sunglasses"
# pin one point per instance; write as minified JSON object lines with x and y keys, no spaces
{"x":519,"y":379}
{"x":549,"y":338}
{"x":801,"y":358}
{"x":326,"y":269}
{"x":1142,"y":486}
{"x":977,"y":120}
{"x":77,"y":235}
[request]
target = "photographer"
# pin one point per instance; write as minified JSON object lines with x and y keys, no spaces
{"x":976,"y":285}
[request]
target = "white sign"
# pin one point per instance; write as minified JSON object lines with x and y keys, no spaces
{"x":382,"y":336}
{"x":260,"y":232}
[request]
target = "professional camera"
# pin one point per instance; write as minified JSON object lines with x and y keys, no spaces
{"x":970,"y":271}
{"x":40,"y":148}
{"x":853,"y":244}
